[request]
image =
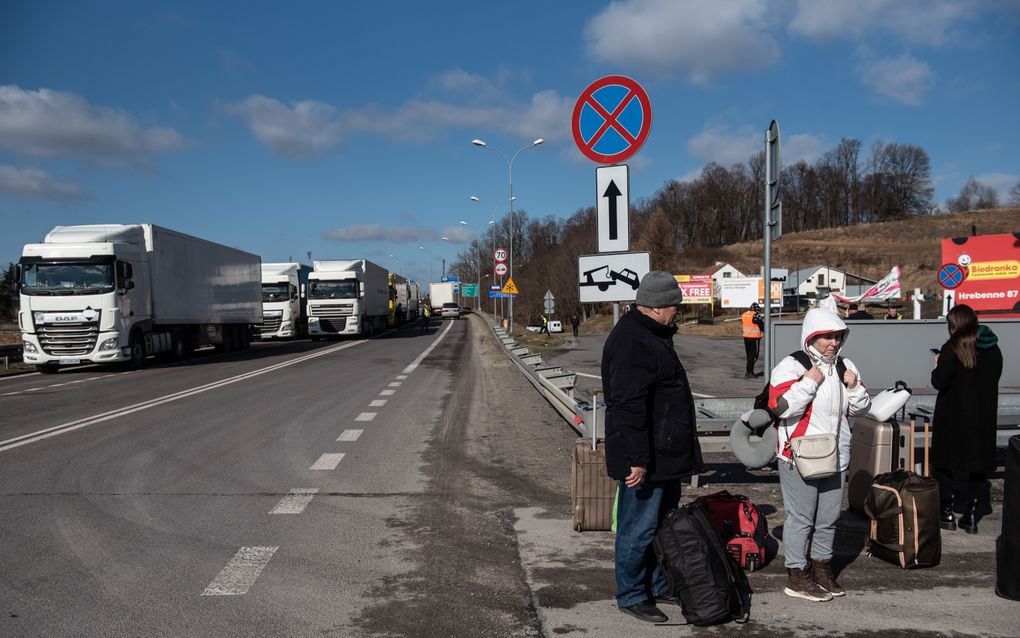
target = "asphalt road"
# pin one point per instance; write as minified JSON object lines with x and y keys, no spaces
{"x":163,"y":512}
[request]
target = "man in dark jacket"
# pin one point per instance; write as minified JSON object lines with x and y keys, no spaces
{"x":651,"y":438}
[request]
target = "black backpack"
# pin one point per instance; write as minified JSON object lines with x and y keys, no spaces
{"x":761,"y":401}
{"x":710,"y":585}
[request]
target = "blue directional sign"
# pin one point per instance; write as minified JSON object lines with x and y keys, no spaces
{"x":449,"y":278}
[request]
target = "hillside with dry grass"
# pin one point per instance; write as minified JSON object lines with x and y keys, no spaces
{"x":868,"y":250}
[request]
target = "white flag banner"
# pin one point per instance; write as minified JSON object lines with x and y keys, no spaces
{"x":887,"y":288}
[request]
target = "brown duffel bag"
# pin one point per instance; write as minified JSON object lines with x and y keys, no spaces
{"x":904,"y":512}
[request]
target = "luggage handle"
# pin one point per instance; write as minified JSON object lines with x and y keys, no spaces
{"x":595,"y":418}
{"x":925,"y":469}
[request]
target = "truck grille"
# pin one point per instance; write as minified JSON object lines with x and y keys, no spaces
{"x":270,"y":325}
{"x":331,"y":311}
{"x":68,"y":339}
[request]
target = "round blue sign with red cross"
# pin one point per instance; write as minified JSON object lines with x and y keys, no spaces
{"x":611,"y":119}
{"x":951,"y":275}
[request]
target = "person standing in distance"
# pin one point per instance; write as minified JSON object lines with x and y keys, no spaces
{"x":752,"y":326}
{"x":574,"y":323}
{"x":651,"y":438}
{"x":966,"y":374}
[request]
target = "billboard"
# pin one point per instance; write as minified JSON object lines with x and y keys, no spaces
{"x":983,"y":271}
{"x":741,"y":292}
{"x":696,"y":288}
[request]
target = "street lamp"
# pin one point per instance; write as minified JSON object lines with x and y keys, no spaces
{"x":510,"y":202}
{"x":492,"y":222}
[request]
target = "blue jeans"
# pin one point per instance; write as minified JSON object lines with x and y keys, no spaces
{"x":639,"y":511}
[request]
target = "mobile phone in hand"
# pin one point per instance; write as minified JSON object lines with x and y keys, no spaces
{"x":934,"y":350}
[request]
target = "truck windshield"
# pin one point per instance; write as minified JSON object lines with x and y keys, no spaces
{"x":66,"y":278}
{"x":275,"y":292}
{"x":333,"y":289}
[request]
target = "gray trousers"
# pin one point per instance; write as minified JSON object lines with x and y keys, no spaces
{"x":812,"y":509}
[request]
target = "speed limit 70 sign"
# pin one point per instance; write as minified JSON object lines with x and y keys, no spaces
{"x":500,"y":255}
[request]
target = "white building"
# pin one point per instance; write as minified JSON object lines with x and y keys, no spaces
{"x":719,"y":272}
{"x":819,"y":281}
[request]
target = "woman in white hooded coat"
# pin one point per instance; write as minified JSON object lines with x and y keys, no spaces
{"x":808,"y":401}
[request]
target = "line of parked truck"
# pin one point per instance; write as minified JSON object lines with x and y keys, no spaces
{"x":120,"y":293}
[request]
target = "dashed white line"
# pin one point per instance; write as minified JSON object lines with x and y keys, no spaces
{"x":365,"y":416}
{"x":377,"y":403}
{"x":350,"y":435}
{"x":387,"y":393}
{"x":414,"y":364}
{"x":401,"y":377}
{"x":296,"y":501}
{"x":240,"y":573}
{"x":328,"y":461}
{"x":396,"y":384}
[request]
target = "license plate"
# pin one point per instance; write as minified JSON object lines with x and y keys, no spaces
{"x":69,"y":362}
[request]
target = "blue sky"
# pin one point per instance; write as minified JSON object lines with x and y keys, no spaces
{"x":345,"y":128}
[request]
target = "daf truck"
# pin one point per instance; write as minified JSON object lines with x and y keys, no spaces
{"x":347,"y":297}
{"x":284,"y":300}
{"x":119,"y":293}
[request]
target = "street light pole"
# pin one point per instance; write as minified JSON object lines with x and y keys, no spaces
{"x":492,"y":222}
{"x":510,"y":203}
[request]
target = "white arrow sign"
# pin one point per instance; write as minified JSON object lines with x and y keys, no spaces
{"x":612,"y":192}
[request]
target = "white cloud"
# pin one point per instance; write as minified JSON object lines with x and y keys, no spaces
{"x":701,"y":39}
{"x":378,"y":232}
{"x":32,"y":182}
{"x":927,"y":22}
{"x":47,"y":123}
{"x":1001,"y":182}
{"x":305,"y":129}
{"x":729,"y":147}
{"x":904,"y":79}
{"x":715,"y":144}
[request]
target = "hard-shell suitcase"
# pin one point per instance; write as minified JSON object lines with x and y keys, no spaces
{"x":876,"y":447}
{"x":592,"y":492}
{"x":1007,"y":545}
{"x":710,"y":586}
{"x":904,"y":510}
{"x":742,"y":527}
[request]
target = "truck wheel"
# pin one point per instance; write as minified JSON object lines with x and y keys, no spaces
{"x":177,"y":348}
{"x":48,"y":368}
{"x":137,"y":345}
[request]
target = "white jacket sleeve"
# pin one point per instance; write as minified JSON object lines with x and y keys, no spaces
{"x":787,"y":382}
{"x":858,"y":399}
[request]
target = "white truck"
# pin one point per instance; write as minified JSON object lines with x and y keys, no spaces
{"x":347,"y":297}
{"x":121,"y":292}
{"x":284,"y":300}
{"x":440,"y":293}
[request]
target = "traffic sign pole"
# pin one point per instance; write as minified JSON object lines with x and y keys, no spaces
{"x":773,"y":169}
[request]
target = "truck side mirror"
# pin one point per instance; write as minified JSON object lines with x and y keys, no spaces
{"x":17,"y":277}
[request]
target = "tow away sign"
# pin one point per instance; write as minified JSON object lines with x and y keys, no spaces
{"x":606,"y":278}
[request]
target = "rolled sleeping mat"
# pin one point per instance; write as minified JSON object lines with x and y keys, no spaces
{"x":753,"y":451}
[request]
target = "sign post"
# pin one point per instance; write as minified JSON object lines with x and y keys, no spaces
{"x":772,"y":227}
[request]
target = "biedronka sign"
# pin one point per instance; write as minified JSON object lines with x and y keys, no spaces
{"x":991,"y":264}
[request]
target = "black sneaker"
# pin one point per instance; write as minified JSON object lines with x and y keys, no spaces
{"x":645,"y":611}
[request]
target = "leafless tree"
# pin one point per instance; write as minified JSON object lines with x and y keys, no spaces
{"x":973,"y":196}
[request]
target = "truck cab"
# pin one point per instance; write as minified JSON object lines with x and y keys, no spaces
{"x":347,"y":298}
{"x":284,"y":300}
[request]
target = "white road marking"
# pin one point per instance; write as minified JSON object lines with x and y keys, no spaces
{"x":396,"y":384}
{"x":401,"y":376}
{"x":377,"y":403}
{"x":296,"y":501}
{"x":590,"y":376}
{"x":387,"y":393}
{"x":350,"y":435}
{"x":414,"y":364}
{"x":70,"y":426}
{"x":366,"y":416}
{"x":328,"y":461}
{"x":240,"y":573}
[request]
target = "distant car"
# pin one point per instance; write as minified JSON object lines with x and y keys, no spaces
{"x":554,"y":326}
{"x":451,"y":310}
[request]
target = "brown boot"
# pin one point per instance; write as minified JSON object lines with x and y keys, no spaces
{"x":821,"y":573}
{"x":799,"y":584}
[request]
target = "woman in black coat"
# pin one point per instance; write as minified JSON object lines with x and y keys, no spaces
{"x":966,"y":374}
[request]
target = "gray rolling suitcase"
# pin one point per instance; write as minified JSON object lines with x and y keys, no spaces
{"x":876,"y":447}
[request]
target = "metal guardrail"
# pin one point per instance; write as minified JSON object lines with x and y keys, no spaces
{"x":9,"y":354}
{"x":715,"y":415}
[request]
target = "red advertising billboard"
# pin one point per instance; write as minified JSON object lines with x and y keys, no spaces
{"x":983,"y":271}
{"x":696,"y":288}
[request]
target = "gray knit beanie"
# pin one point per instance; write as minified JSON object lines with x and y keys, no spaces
{"x":658,"y":289}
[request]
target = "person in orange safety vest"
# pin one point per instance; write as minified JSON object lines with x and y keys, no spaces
{"x":752,"y":326}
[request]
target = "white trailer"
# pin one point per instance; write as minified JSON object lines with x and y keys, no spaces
{"x":347,"y":297}
{"x":119,"y":293}
{"x":440,"y":293}
{"x":284,"y":300}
